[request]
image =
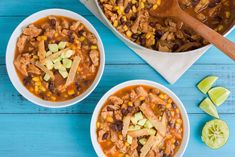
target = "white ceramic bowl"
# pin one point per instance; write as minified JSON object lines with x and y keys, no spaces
{"x":100,"y":104}
{"x":144,"y":49}
{"x":11,"y":53}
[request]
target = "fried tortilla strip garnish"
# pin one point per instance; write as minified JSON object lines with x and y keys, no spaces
{"x":126,"y":123}
{"x":72,"y":72}
{"x":41,"y":51}
{"x":148,"y":145}
{"x":43,"y":68}
{"x":139,"y":133}
{"x":159,"y":125}
{"x":57,"y":54}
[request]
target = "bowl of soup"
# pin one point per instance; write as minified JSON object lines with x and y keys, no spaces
{"x":140,"y":118}
{"x":55,"y":58}
{"x":132,"y":22}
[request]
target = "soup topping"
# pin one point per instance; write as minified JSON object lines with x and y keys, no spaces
{"x":57,"y":58}
{"x":132,"y":19}
{"x":140,"y":121}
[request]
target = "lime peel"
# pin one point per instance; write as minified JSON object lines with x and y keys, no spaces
{"x":218,"y":95}
{"x":207,"y":106}
{"x":205,"y":84}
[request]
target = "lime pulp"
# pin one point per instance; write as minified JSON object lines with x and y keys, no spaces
{"x":218,"y":95}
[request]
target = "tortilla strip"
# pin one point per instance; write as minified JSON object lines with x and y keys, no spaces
{"x":158,"y":141}
{"x":155,"y":99}
{"x":43,"y":68}
{"x":73,"y":70}
{"x":126,"y":123}
{"x":41,"y":51}
{"x":57,"y":54}
{"x":148,"y":145}
{"x":159,"y":125}
{"x":138,"y":133}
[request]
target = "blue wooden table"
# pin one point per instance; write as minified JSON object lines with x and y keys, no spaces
{"x":27,"y":130}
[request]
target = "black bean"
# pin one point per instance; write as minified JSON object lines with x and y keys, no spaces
{"x":158,"y":34}
{"x":195,"y":2}
{"x":122,"y":21}
{"x":124,"y":112}
{"x":211,"y":4}
{"x":78,"y":86}
{"x":105,"y":136}
{"x":174,"y":106}
{"x":46,"y":42}
{"x":217,"y":1}
{"x":133,"y":18}
{"x":142,"y":41}
{"x":139,"y":148}
{"x":134,"y":36}
{"x":177,"y":143}
{"x":27,"y":80}
{"x":128,"y":8}
{"x":128,"y":23}
{"x":80,"y":33}
{"x":118,"y":1}
{"x":51,"y":87}
{"x":130,"y":109}
{"x":136,"y":5}
{"x":171,"y":124}
{"x":141,"y":102}
{"x":52,"y":22}
{"x":175,"y":47}
{"x":117,"y":125}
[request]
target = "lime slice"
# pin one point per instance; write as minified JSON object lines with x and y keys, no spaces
{"x":207,"y":106}
{"x":205,"y":84}
{"x":219,"y":95}
{"x":215,"y":133}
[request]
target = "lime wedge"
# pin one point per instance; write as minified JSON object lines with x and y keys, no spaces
{"x":219,"y":95}
{"x":215,"y":133}
{"x":208,"y":107}
{"x":205,"y":84}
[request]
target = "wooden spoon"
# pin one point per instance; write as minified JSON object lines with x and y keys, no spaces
{"x":171,"y":8}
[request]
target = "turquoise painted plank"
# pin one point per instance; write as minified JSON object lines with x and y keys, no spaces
{"x":25,"y":8}
{"x":116,"y":51}
{"x":63,"y":135}
{"x":114,"y":74}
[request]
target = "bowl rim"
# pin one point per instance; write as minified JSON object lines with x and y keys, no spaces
{"x":10,"y":58}
{"x":116,"y":88}
{"x":128,"y":41}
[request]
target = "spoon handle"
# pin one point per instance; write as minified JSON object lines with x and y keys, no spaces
{"x":207,"y":33}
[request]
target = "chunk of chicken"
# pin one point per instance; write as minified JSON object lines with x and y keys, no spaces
{"x":94,"y":56}
{"x":116,"y":100}
{"x":21,"y":42}
{"x":32,"y":31}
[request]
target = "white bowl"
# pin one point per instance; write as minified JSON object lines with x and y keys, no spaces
{"x":144,"y":49}
{"x":11,"y":53}
{"x":100,"y":104}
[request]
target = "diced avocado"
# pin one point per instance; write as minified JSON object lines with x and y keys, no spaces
{"x":152,"y":132}
{"x":58,"y":65}
{"x":133,"y":120}
{"x":62,"y":45}
{"x":134,"y":127}
{"x":48,"y":53}
{"x":46,"y":77}
{"x":142,"y":122}
{"x":49,"y":64}
{"x":67,"y":54}
{"x":138,"y":116}
{"x":63,"y":72}
{"x":67,"y":63}
{"x":129,"y":139}
{"x":53,"y":47}
{"x":57,"y":60}
{"x":148,"y":124}
{"x":143,"y":141}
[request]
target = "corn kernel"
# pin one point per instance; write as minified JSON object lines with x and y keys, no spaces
{"x":126,"y":144}
{"x":43,"y":89}
{"x":35,"y":57}
{"x":148,"y":35}
{"x":155,"y":6}
{"x":48,"y":94}
{"x":161,"y":96}
{"x":31,"y":89}
{"x":133,"y":1}
{"x":56,"y":34}
{"x":177,"y":110}
{"x":158,"y":2}
{"x":39,"y":38}
{"x":128,"y":33}
{"x":71,"y":92}
{"x":179,"y":121}
{"x":227,"y":14}
{"x":169,"y":101}
{"x":172,"y":113}
{"x":115,"y":23}
{"x":120,"y":137}
{"x":98,"y":124}
{"x":65,"y":95}
{"x":172,"y":140}
{"x":142,"y":5}
{"x":53,"y":98}
{"x":36,"y":79}
{"x":127,"y":155}
{"x":44,"y":37}
{"x":168,"y":105}
{"x":120,"y":155}
{"x":134,"y":9}
{"x":220,"y":27}
{"x":38,"y":83}
{"x":109,"y":119}
{"x":94,"y":47}
{"x":130,"y":103}
{"x":36,"y":89}
{"x":142,"y":98}
{"x":82,"y":38}
{"x":125,"y":28}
